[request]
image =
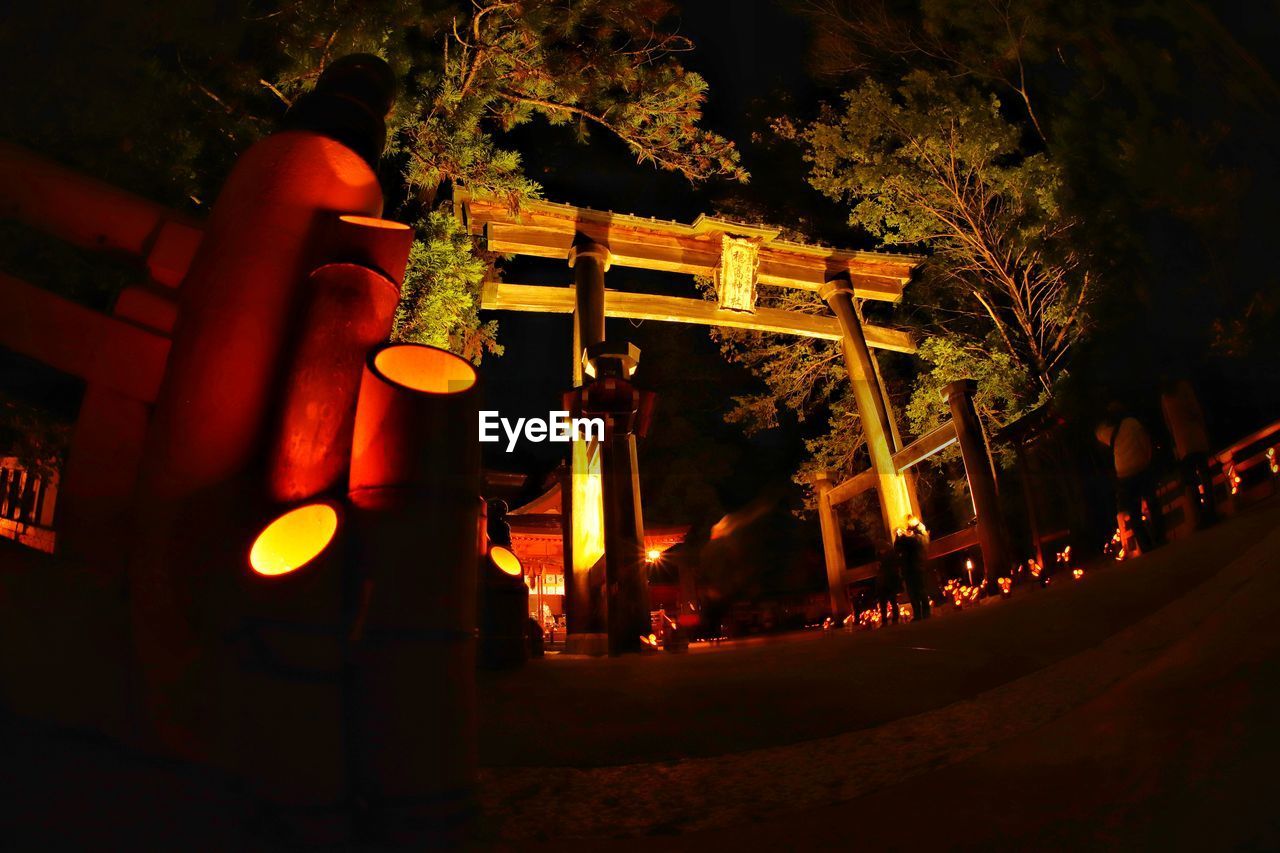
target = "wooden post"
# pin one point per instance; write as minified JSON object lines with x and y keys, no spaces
{"x":982,"y":481}
{"x":896,"y":501}
{"x":626,"y":571}
{"x":832,"y":544}
{"x":413,"y":491}
{"x":589,"y":261}
{"x":1033,"y":518}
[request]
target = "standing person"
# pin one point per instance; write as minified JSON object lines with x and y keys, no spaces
{"x":888,"y":585}
{"x":498,"y":529}
{"x":1130,"y":446}
{"x":1185,"y":420}
{"x":908,"y":545}
{"x":928,"y":570}
{"x":534,"y":637}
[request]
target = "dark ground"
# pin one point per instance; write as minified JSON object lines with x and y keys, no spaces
{"x":812,"y":685}
{"x":1179,"y":754}
{"x":1134,"y":708}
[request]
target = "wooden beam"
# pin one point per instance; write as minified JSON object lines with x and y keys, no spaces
{"x":958,"y":541}
{"x":865,"y":572}
{"x":77,"y":340}
{"x":689,"y":256}
{"x":925,"y":446}
{"x":504,"y":296}
{"x":547,"y":230}
{"x":91,"y":214}
{"x":852,"y":487}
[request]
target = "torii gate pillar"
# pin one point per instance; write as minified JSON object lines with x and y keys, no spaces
{"x":897,"y":493}
{"x":992,"y":537}
{"x":832,"y":544}
{"x":606,"y":587}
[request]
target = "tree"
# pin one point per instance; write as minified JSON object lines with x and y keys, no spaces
{"x":219,"y":75}
{"x":935,"y":165}
{"x":1074,"y":173}
{"x":160,"y":98}
{"x":1155,"y":115}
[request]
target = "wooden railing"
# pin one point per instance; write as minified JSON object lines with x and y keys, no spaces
{"x":1246,"y":471}
{"x":26,"y":505}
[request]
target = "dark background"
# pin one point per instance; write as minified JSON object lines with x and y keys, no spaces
{"x":754,"y":56}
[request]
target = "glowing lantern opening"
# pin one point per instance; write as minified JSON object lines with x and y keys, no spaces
{"x":426,"y":369}
{"x":505,"y":560}
{"x":653,"y":555}
{"x":294,"y":539}
{"x":375,"y":222}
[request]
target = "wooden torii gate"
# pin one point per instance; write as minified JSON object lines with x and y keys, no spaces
{"x":740,"y":257}
{"x":985,"y":530}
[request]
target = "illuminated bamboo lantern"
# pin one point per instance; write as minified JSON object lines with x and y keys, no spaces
{"x":293,"y":650}
{"x":415,"y":499}
{"x":201,"y":483}
{"x":502,"y":610}
{"x":349,"y":310}
{"x":379,"y":244}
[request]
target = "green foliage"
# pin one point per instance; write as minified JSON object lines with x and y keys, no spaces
{"x":934,"y":165}
{"x":161,"y":97}
{"x":440,"y":299}
{"x":1156,"y":120}
{"x":603,"y":64}
{"x":804,"y":377}
{"x":1002,"y":393}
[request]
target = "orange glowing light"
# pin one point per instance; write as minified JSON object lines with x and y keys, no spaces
{"x":587,"y":502}
{"x":653,"y":555}
{"x":294,"y":539}
{"x":424,"y":368}
{"x":505,"y":560}
{"x":374,"y":222}
{"x":1077,"y":573}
